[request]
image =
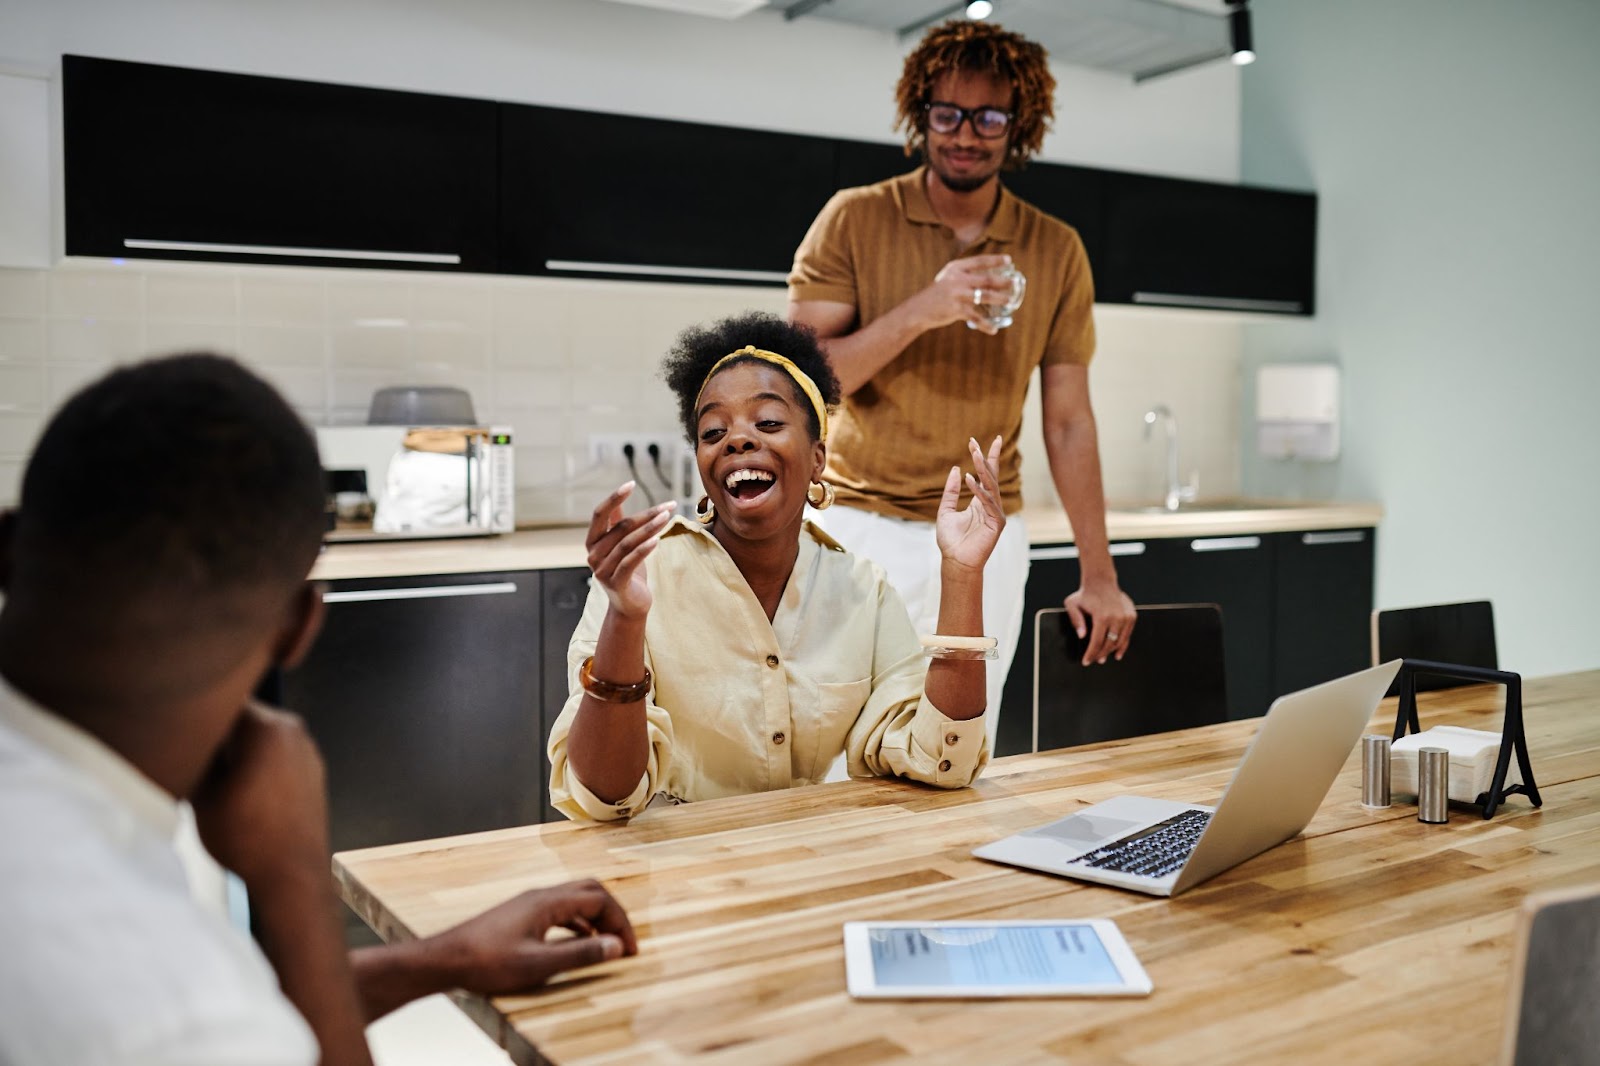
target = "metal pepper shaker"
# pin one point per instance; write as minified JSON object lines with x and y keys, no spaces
{"x":1374,"y":771}
{"x":1433,"y":785}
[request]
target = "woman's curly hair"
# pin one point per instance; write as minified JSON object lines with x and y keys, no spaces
{"x":969,"y":46}
{"x":698,"y":348}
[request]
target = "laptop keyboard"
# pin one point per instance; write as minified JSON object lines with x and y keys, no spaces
{"x":1152,"y":852}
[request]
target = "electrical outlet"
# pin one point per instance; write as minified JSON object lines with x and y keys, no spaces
{"x":607,"y":449}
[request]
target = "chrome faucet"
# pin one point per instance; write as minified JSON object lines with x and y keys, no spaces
{"x":1177,"y":492}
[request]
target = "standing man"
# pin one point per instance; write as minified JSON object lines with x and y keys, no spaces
{"x":892,"y":277}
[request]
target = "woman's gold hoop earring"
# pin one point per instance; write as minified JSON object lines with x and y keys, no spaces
{"x":827,"y":495}
{"x":705,"y":512}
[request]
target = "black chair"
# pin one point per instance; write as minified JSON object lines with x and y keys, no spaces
{"x":1459,"y":633}
{"x":1172,"y":677}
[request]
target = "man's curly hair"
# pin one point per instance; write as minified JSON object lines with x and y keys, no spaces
{"x":970,"y":46}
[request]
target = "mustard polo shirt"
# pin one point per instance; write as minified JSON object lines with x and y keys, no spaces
{"x":895,"y":439}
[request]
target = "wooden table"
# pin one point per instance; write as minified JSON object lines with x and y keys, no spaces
{"x":1373,"y":938}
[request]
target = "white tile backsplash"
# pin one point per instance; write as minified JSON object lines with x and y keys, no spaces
{"x":75,"y":340}
{"x":165,"y":337}
{"x":556,"y":359}
{"x":187,"y":297}
{"x":97,"y":293}
{"x":21,"y":387}
{"x":22,"y":292}
{"x":21,"y":340}
{"x":18,"y":431}
{"x":264,"y":299}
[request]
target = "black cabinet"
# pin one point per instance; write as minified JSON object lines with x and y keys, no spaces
{"x":1296,"y":611}
{"x":595,"y":194}
{"x":1182,"y":243}
{"x":565,"y":593}
{"x":1234,"y":572}
{"x":1322,"y":603}
{"x":424,"y":695}
{"x":168,"y":162}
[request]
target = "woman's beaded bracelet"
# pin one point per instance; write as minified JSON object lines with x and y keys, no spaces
{"x":610,"y":691}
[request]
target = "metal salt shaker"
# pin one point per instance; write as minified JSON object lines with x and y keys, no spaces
{"x":1433,"y":785}
{"x":1374,"y":771}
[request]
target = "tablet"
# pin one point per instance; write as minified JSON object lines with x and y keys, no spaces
{"x":915,"y":960}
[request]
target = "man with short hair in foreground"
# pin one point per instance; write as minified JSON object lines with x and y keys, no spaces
{"x":154,"y":570}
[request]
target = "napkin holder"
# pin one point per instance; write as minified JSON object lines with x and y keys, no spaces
{"x":1512,"y":736}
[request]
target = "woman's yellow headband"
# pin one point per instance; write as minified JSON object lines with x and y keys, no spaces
{"x":801,"y":378}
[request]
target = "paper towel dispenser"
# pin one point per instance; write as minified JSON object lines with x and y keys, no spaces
{"x":1297,"y":411}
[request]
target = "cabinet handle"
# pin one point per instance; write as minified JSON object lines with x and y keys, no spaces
{"x":666,"y":271}
{"x":1345,"y":536}
{"x":1219,"y":303}
{"x":1224,"y":544}
{"x":1070,"y":551}
{"x":426,"y":592}
{"x":305,"y":253}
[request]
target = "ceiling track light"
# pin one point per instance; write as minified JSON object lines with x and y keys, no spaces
{"x":1240,"y":42}
{"x":980,"y":9}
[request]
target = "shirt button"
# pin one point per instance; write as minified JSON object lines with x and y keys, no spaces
{"x":951,"y":738}
{"x":777,"y":738}
{"x":772,"y":660}
{"x":944,"y":767}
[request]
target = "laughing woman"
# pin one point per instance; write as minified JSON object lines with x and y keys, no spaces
{"x":743,"y":650}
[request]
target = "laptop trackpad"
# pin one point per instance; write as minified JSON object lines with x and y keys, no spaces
{"x":1085,"y":829}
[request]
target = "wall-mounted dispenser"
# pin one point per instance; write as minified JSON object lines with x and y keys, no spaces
{"x":1297,"y":411}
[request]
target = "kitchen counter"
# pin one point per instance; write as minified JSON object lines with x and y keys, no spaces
{"x":555,"y":548}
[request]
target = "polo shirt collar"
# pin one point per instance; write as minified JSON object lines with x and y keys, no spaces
{"x":89,"y":759}
{"x":912,"y":193}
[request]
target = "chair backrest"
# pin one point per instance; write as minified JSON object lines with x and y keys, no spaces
{"x":1555,"y":981}
{"x":1172,"y":677}
{"x":1460,"y":633}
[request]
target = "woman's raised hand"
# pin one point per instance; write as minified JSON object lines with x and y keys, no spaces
{"x":967,"y":536}
{"x":617,"y":547}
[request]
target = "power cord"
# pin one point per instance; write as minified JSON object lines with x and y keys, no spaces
{"x":649,"y":497}
{"x":654,"y":451}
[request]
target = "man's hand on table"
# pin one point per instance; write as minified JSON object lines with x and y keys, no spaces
{"x":501,"y":951}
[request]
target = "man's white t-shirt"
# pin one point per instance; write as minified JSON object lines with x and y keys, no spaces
{"x":104,"y":955}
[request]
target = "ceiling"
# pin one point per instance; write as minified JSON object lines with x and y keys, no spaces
{"x":1140,"y":38}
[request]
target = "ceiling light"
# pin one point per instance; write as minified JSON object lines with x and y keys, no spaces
{"x":979,"y":9}
{"x":1240,"y":44}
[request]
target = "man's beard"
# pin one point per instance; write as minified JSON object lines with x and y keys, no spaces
{"x":952,"y":182}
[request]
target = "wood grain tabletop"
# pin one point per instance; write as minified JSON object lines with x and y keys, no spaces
{"x":1371,"y":938}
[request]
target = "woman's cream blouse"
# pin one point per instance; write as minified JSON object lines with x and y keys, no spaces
{"x":741,"y":705}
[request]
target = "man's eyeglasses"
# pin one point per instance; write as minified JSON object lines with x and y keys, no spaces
{"x":987,"y":122}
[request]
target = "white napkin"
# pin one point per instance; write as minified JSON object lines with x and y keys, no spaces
{"x":1472,"y":756}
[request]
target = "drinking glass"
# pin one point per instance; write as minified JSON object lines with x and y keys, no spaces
{"x":1000,"y":314}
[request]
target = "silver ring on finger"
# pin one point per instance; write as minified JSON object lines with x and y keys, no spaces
{"x":1112,"y":636}
{"x":977,"y":296}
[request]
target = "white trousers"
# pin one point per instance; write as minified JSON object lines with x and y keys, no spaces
{"x":909,"y":554}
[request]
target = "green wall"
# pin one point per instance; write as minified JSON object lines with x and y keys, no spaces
{"x":1455,"y":146}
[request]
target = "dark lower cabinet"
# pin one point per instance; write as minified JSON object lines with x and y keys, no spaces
{"x":565,"y":592}
{"x":424,"y":695}
{"x":1322,"y":603}
{"x":1295,"y":611}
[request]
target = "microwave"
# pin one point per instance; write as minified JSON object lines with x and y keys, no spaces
{"x":409,"y":482}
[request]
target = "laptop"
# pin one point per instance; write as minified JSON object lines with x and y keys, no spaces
{"x":1164,"y":847}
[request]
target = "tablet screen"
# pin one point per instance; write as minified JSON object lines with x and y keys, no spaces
{"x":991,"y":958}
